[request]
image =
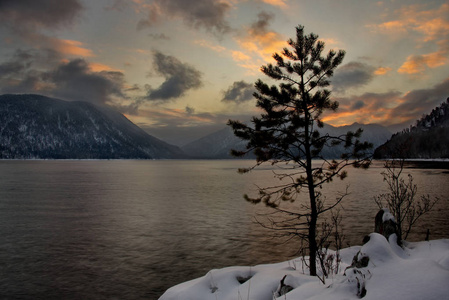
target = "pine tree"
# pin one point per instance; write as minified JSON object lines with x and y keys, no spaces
{"x":286,"y":135}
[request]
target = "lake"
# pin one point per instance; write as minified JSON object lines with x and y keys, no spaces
{"x":130,"y":229}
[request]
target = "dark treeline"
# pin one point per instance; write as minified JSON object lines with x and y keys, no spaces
{"x":428,"y":138}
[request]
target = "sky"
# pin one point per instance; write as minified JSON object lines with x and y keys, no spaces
{"x":180,"y":69}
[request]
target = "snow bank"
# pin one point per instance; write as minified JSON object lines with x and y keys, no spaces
{"x":419,"y":271}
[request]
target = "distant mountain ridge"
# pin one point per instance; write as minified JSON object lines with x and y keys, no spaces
{"x":39,"y":127}
{"x":219,"y":144}
{"x":428,"y":138}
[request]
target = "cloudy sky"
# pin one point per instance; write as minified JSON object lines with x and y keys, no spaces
{"x":180,"y":69}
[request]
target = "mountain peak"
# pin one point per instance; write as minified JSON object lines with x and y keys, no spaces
{"x":35,"y":126}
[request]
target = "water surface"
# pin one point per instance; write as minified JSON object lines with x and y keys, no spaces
{"x":128,"y":229}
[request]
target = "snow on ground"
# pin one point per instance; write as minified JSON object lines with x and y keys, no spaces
{"x":417,"y":271}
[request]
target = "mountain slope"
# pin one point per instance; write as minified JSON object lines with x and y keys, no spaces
{"x":219,"y":144}
{"x":429,"y":138}
{"x":34,"y":126}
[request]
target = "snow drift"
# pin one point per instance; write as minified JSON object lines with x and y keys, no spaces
{"x":418,"y":271}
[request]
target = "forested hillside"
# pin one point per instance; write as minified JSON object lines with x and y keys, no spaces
{"x":428,"y":138}
{"x":38,"y":127}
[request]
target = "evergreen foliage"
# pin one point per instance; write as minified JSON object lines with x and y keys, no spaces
{"x":428,"y":138}
{"x":286,"y":135}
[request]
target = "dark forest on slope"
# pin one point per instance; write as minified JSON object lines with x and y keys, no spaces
{"x":428,"y":138}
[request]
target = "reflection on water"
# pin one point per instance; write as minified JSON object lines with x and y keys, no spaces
{"x":131,"y":229}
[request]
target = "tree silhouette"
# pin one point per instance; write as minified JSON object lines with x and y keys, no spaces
{"x":286,"y":135}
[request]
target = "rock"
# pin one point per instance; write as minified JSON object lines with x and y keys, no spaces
{"x":283,"y":288}
{"x":359,"y":261}
{"x":384,"y":223}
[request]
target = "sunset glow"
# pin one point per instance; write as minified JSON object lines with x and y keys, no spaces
{"x":173,"y":65}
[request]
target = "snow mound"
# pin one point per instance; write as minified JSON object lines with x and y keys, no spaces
{"x":419,"y":271}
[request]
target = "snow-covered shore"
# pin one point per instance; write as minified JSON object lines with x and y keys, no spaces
{"x":418,"y":271}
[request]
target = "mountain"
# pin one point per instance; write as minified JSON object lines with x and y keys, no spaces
{"x":429,"y":138}
{"x":219,"y":144}
{"x":34,"y":126}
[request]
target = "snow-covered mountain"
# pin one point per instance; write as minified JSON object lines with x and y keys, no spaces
{"x":219,"y":144}
{"x":34,"y":126}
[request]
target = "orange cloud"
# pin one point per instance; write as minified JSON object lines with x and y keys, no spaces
{"x":418,"y":63}
{"x":74,"y":48}
{"x":364,"y":116}
{"x":263,"y":45}
{"x":392,"y":27}
{"x":432,"y":29}
{"x":382,"y":71}
{"x":240,"y":56}
{"x":97,"y":67}
{"x":426,"y":26}
{"x":431,"y":23}
{"x":280,"y":3}
{"x":339,"y":119}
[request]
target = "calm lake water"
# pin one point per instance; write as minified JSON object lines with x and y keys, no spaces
{"x":131,"y":229}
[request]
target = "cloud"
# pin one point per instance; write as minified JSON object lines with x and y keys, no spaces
{"x":190,"y":110}
{"x":418,"y":102}
{"x":35,"y":14}
{"x":419,"y":63}
{"x":352,"y":75}
{"x":23,"y":72}
{"x":259,"y":42}
{"x":365,"y":108}
{"x":358,"y":105}
{"x":20,"y":62}
{"x":426,"y":27}
{"x":70,"y":47}
{"x":280,"y":3}
{"x":205,"y":14}
{"x":179,"y":78}
{"x":75,"y":80}
{"x":29,"y":23}
{"x":388,"y":108}
{"x":382,"y":71}
{"x":239,"y":92}
{"x":260,"y":27}
{"x":46,"y":73}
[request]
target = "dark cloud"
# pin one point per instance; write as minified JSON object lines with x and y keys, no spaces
{"x":179,"y":78}
{"x":190,"y":110}
{"x":368,"y":101}
{"x":23,"y":72}
{"x":418,"y":102}
{"x":357,"y":105}
{"x":239,"y":92}
{"x":351,"y":75}
{"x":40,"y":72}
{"x":260,"y":27}
{"x":75,"y":81}
{"x":35,"y":14}
{"x":205,"y":14}
{"x":20,"y":62}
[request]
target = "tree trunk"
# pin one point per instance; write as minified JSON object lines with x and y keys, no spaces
{"x":312,"y":243}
